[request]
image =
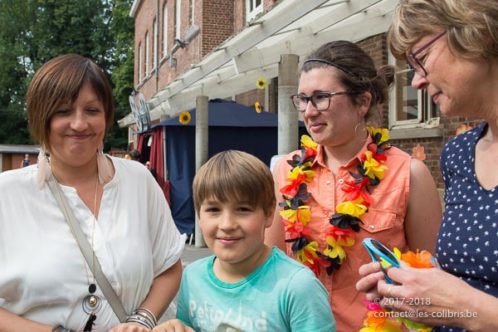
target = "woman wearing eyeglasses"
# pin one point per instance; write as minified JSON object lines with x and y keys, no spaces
{"x":452,"y":46}
{"x":346,"y":184}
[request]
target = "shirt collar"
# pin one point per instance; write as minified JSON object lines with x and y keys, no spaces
{"x":321,"y":154}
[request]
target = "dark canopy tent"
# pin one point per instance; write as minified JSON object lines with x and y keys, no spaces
{"x":231,"y":126}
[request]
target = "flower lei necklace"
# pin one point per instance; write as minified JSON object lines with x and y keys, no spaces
{"x":345,"y":222}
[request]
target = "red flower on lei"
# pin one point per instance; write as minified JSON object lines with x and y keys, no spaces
{"x":296,"y":214}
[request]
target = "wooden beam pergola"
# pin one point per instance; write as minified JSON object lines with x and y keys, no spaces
{"x":292,"y":27}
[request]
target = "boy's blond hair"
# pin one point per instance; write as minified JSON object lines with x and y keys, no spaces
{"x":235,"y":176}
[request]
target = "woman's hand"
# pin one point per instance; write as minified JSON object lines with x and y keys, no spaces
{"x":370,"y":274}
{"x":129,"y":327}
{"x":429,"y":296}
{"x":173,"y":325}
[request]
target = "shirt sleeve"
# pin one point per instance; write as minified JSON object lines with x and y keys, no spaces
{"x":309,"y":307}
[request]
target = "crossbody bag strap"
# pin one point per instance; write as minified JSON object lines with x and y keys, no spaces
{"x":87,"y":251}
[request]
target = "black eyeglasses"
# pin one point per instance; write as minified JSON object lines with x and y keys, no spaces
{"x":418,"y":64}
{"x":319,"y":100}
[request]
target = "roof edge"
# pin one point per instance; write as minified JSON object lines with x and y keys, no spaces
{"x":134,"y":8}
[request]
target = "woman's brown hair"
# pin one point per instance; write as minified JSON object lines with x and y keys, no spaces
{"x":356,"y":71}
{"x":58,"y":83}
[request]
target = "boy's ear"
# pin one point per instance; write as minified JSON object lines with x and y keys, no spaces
{"x":269,"y":217}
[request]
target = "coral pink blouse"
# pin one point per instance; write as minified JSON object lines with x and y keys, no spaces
{"x":384,"y":221}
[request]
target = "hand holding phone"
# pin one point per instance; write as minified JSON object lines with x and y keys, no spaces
{"x":379,"y":253}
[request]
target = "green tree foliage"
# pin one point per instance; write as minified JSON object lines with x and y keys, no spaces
{"x":122,"y":29}
{"x":13,"y":73}
{"x":34,"y":31}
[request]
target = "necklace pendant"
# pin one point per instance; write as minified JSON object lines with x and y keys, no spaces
{"x":92,"y":301}
{"x":91,"y":304}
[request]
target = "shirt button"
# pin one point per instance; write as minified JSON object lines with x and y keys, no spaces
{"x":372,"y":227}
{"x":341,"y":181}
{"x":327,"y":182}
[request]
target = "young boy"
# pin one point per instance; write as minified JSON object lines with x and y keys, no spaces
{"x":246,"y":285}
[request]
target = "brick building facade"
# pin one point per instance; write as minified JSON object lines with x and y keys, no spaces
{"x":164,"y":51}
{"x":156,"y":27}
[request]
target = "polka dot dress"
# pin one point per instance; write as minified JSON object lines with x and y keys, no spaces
{"x":467,"y":244}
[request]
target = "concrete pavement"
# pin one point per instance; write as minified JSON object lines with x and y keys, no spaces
{"x":192,"y":253}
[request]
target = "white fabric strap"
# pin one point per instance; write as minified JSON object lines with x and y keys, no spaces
{"x":87,"y":251}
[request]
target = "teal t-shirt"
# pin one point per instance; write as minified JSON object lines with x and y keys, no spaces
{"x":280,"y":295}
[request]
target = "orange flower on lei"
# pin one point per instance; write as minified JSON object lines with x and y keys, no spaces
{"x":377,"y":319}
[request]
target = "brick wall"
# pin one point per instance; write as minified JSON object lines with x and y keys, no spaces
{"x":239,"y":16}
{"x":250,"y":97}
{"x":167,"y":73}
{"x":215,"y":18}
{"x":173,"y":65}
{"x":217,"y":23}
{"x":376,"y":47}
{"x":218,"y":20}
{"x":143,"y":24}
{"x":432,"y":148}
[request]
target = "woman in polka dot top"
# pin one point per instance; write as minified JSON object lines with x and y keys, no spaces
{"x":452,"y":46}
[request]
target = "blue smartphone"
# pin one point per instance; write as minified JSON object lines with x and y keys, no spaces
{"x":379,"y":252}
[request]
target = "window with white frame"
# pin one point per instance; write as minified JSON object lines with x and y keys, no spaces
{"x":178,"y":22}
{"x":139,"y":63}
{"x":165,"y":29}
{"x":253,"y":8}
{"x":156,"y":36}
{"x":409,"y":107}
{"x":147,"y":54}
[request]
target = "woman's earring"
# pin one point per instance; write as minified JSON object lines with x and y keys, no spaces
{"x":364,"y":131}
{"x":103,"y":167}
{"x":43,"y":169}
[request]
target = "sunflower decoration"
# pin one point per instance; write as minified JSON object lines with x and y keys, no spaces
{"x":184,"y":118}
{"x":258,"y":107}
{"x":261,"y":83}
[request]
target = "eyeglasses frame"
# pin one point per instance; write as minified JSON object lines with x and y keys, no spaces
{"x":412,"y":56}
{"x":309,"y":99}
